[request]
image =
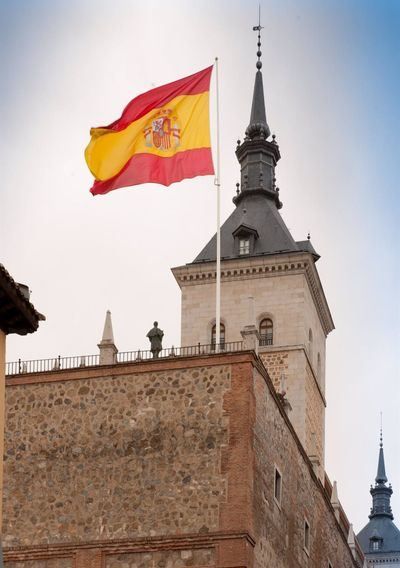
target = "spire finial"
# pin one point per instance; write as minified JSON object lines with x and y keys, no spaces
{"x":381,"y":475}
{"x":258,"y":29}
{"x":258,"y":128}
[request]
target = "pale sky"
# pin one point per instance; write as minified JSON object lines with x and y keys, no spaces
{"x":332,"y":82}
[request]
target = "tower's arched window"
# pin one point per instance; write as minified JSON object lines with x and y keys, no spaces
{"x":319,"y":365}
{"x":266,"y":332}
{"x":310,"y":343}
{"x":221,"y":336}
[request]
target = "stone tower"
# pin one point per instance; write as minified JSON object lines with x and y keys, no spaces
{"x":380,"y":538}
{"x":268,"y":280}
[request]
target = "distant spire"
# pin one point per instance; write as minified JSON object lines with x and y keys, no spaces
{"x":381,"y":493}
{"x":381,"y":474}
{"x":258,"y":126}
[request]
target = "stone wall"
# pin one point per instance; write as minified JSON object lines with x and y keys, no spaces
{"x":167,"y":464}
{"x":279,"y":527}
{"x":303,"y":393}
{"x":281,"y":290}
{"x":114,"y":456}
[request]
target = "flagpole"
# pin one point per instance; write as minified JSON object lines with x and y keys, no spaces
{"x":217,"y":183}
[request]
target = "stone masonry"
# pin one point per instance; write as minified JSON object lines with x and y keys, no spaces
{"x":286,"y":289}
{"x":166,"y":463}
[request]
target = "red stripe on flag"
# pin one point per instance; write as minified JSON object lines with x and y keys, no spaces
{"x":160,"y":96}
{"x":148,"y":168}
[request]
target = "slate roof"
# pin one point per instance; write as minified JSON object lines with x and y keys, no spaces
{"x":386,"y":529}
{"x":261,"y":214}
{"x":257,"y":202}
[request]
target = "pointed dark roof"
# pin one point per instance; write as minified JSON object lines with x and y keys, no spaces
{"x":261,"y":215}
{"x":258,"y":201}
{"x":381,"y":526}
{"x":258,"y":125}
{"x":381,"y":473}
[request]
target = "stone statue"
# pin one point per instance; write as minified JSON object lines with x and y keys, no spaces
{"x":155,"y":336}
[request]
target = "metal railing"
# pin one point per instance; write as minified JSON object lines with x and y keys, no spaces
{"x":265,"y":339}
{"x":82,"y":361}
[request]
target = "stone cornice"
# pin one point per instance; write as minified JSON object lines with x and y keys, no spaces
{"x":261,"y":266}
{"x":144,"y":544}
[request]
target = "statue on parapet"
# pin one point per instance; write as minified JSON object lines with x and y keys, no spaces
{"x":155,"y":336}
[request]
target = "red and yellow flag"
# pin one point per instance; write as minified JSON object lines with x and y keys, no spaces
{"x":163,"y":136}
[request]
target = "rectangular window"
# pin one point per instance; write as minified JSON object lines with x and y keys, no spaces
{"x":278,"y":486}
{"x":307,"y":536}
{"x":244,"y":246}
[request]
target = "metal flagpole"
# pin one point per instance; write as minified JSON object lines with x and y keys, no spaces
{"x":217,"y":183}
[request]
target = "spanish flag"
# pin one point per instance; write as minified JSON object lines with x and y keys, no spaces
{"x":163,"y":136}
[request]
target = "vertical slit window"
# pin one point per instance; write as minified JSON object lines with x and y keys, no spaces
{"x":278,"y":486}
{"x":306,"y":536}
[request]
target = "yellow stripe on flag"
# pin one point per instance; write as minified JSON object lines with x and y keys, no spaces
{"x":187,"y":118}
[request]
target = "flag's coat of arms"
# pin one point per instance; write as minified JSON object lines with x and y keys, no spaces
{"x":163,"y":131}
{"x":163,"y":136}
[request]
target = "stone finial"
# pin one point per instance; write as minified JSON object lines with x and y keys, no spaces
{"x":108,"y":350}
{"x":335,"y":501}
{"x":351,"y":541}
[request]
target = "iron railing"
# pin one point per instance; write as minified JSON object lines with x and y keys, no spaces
{"x":79,"y":361}
{"x":265,"y":339}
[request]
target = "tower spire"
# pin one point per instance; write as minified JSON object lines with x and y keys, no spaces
{"x":381,"y":493}
{"x":258,"y":127}
{"x":381,"y":473}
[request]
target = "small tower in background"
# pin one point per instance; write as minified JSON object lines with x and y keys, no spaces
{"x":380,"y":538}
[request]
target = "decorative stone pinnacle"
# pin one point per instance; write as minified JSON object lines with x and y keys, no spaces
{"x":108,"y":335}
{"x":108,"y":350}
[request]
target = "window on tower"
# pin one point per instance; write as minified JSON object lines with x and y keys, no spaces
{"x":375,"y":544}
{"x":221,"y":336}
{"x":278,"y":486}
{"x":307,"y":536}
{"x":266,"y":331}
{"x":244,"y":238}
{"x":244,"y":246}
